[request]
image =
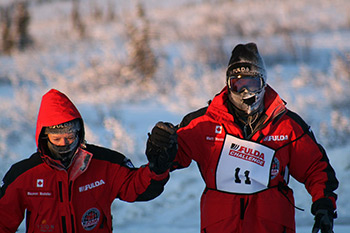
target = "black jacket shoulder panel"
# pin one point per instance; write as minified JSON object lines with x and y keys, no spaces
{"x":294,"y":116}
{"x":306,"y":128}
{"x":192,"y":115}
{"x":102,"y":153}
{"x":18,"y":169}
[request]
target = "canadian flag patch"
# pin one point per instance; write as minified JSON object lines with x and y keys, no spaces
{"x":218,"y":129}
{"x":40,"y":183}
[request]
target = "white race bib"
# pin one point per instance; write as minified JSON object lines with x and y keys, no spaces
{"x":244,"y":166}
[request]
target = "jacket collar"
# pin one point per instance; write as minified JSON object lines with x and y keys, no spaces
{"x":78,"y":165}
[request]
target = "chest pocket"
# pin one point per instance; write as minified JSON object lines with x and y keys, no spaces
{"x":244,"y":166}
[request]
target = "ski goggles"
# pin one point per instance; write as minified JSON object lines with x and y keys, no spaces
{"x":239,"y":83}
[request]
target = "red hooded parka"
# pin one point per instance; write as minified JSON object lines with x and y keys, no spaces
{"x":77,"y":199}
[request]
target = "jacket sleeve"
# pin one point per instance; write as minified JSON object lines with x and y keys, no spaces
{"x":142,"y":185}
{"x":310,"y":165}
{"x":129,"y":183}
{"x":183,"y":157}
{"x":11,"y":203}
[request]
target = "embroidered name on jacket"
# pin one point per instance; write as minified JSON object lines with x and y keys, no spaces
{"x":39,"y":194}
{"x":91,"y":186}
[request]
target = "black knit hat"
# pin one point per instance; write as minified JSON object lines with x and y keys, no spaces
{"x":246,"y":60}
{"x":67,"y":127}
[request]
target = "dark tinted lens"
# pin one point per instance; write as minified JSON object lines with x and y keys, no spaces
{"x":251,"y":83}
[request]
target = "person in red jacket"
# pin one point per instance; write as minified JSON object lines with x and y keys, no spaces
{"x":69,"y":185}
{"x":246,"y":144}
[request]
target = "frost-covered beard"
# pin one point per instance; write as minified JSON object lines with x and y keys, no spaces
{"x":248,"y":102}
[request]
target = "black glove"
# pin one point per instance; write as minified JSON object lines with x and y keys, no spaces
{"x":324,"y":215}
{"x":323,"y":222}
{"x":161,"y":147}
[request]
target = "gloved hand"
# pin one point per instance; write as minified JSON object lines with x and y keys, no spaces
{"x":323,"y":222}
{"x":161,"y":147}
{"x":324,"y":214}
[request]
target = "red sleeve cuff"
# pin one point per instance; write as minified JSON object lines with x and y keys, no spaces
{"x":155,"y":176}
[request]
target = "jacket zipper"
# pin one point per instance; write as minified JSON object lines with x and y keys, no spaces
{"x":60,"y":190}
{"x":70,"y":198}
{"x":263,"y":125}
{"x":72,"y":219}
{"x":243,"y":208}
{"x":64,"y":224}
{"x":63,"y":218}
{"x":70,"y":191}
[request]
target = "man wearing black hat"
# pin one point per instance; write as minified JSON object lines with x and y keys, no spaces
{"x":246,"y":144}
{"x":69,"y":185}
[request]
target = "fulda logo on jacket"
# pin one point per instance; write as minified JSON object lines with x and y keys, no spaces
{"x":91,"y":186}
{"x":248,"y":154}
{"x":276,"y":138}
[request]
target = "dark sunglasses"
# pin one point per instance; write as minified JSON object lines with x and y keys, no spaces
{"x":251,"y":83}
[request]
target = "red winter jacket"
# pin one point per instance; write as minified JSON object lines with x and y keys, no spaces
{"x":75,"y":200}
{"x":246,"y":178}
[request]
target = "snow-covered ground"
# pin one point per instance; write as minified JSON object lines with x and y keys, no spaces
{"x":306,"y":48}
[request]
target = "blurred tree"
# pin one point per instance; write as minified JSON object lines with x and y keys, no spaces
{"x":21,"y":26}
{"x":111,"y":11}
{"x":7,"y":41}
{"x":97,"y":11}
{"x":78,"y":24}
{"x":15,"y":21}
{"x":141,"y":55}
